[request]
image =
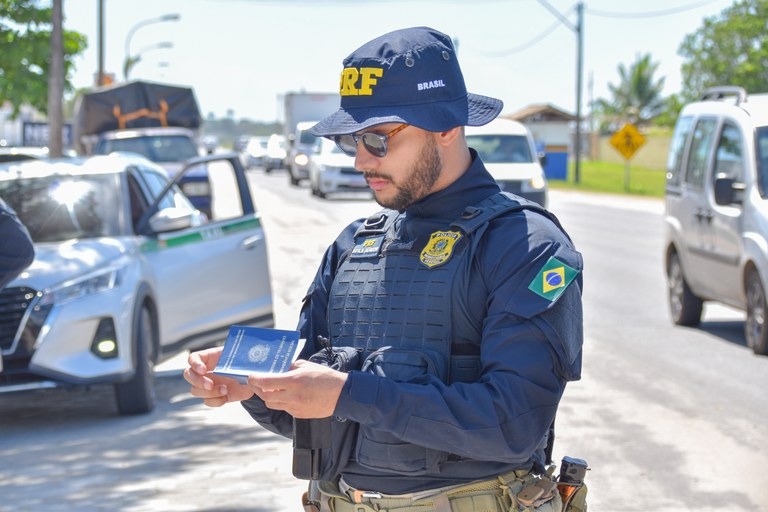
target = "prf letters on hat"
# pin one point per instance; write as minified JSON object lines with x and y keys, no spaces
{"x":367,"y":78}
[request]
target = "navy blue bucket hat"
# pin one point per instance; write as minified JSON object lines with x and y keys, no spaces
{"x":407,"y":76}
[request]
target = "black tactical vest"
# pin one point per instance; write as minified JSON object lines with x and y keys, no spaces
{"x":393,"y":301}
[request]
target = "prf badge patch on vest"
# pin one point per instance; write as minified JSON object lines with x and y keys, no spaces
{"x":368,"y":247}
{"x":552,"y":280}
{"x":439,"y":248}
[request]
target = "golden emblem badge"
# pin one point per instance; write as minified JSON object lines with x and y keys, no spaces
{"x":439,"y":248}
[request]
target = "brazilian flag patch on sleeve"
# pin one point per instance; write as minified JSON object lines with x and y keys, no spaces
{"x":552,"y":280}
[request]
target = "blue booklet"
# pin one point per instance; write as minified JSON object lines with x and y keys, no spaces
{"x":258,"y":350}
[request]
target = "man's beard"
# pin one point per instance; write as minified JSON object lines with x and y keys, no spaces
{"x":418,"y":182}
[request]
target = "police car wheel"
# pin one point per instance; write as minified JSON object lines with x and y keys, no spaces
{"x":137,"y":395}
{"x":755,"y":325}
{"x":684,"y":306}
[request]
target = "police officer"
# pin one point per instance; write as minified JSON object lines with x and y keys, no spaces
{"x":16,"y":249}
{"x":444,"y":327}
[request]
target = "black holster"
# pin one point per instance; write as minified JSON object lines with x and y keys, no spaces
{"x":310,"y":437}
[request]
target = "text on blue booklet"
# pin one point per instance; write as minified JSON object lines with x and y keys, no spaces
{"x":257,"y":350}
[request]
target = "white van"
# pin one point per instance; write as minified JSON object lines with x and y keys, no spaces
{"x":509,"y":153}
{"x":716,"y":210}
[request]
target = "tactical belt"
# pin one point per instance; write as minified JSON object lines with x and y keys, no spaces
{"x":496,"y":494}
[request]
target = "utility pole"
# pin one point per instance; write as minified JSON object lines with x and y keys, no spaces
{"x":578,"y":29}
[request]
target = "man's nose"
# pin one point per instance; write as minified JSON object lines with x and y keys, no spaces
{"x":364,"y":159}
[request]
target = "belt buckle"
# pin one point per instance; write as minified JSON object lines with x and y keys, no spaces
{"x":358,"y":496}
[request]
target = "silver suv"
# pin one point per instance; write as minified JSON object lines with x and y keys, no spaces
{"x":716,"y":210}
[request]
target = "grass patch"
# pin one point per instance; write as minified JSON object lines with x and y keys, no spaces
{"x":608,"y":177}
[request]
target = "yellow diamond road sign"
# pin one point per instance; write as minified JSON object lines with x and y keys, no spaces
{"x":627,"y":140}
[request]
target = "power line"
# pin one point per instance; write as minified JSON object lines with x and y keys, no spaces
{"x":650,"y":14}
{"x":525,"y":46}
{"x":605,"y":14}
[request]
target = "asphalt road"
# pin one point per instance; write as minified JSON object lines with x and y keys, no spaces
{"x":669,"y":419}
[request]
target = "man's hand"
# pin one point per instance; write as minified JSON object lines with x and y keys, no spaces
{"x":308,"y":390}
{"x":215,"y":390}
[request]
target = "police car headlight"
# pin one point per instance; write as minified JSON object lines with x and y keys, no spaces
{"x":301,"y":159}
{"x":535,"y":183}
{"x":95,"y":282}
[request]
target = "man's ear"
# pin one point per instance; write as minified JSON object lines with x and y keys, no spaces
{"x":448,"y":137}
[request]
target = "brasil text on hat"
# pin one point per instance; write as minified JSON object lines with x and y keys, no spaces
{"x":407,"y":76}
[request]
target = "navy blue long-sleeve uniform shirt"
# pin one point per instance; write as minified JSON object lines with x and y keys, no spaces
{"x":530,"y":347}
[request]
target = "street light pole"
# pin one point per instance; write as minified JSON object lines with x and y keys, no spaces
{"x":131,"y":61}
{"x":166,"y":17}
{"x":578,"y":29}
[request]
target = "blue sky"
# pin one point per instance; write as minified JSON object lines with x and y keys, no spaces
{"x":241,"y":55}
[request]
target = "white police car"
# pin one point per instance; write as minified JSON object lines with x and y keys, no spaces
{"x":127,"y":272}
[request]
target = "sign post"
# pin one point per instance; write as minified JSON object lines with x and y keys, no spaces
{"x":627,"y":140}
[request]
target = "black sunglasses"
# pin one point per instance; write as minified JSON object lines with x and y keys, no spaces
{"x":374,"y":143}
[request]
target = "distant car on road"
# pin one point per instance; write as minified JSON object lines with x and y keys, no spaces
{"x":276,"y":153}
{"x":509,"y":153}
{"x":254,"y":153}
{"x":332,"y":171}
{"x":127,"y":272}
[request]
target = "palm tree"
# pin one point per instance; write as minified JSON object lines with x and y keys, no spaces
{"x":637,"y":99}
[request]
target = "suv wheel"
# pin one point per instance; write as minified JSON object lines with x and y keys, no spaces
{"x":684,"y":306}
{"x":755,"y":328}
{"x":137,"y":395}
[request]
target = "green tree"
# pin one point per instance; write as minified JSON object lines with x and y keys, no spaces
{"x":673,"y":104}
{"x":730,"y":49}
{"x":25,"y":58}
{"x":636,"y":99}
